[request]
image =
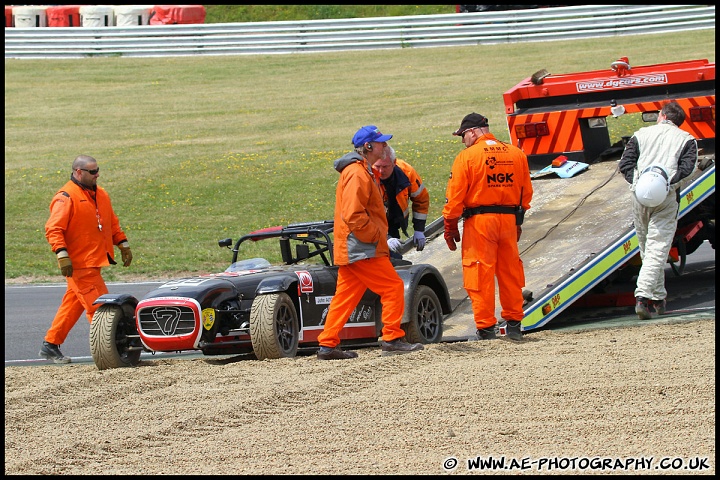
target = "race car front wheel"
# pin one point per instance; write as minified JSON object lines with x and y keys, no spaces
{"x":111,"y":338}
{"x":274,"y":327}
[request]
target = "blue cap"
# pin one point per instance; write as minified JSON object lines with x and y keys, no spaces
{"x":369,"y":133}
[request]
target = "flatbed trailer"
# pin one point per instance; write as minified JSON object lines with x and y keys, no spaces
{"x":565,"y":261}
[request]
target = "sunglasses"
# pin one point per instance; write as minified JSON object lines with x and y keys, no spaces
{"x":91,"y":172}
{"x":462,"y":134}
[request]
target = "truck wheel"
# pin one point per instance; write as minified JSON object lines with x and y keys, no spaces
{"x":274,"y":327}
{"x":426,"y":317}
{"x":111,"y":344}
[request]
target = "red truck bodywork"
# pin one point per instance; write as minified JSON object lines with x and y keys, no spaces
{"x":550,"y":115}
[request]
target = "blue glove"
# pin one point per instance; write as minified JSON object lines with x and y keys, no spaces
{"x":419,"y":240}
{"x":395,"y":244}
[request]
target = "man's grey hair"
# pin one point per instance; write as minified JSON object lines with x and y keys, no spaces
{"x":81,"y":161}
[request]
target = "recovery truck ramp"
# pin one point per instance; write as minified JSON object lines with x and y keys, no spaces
{"x":577,"y":254}
{"x":576,"y":238}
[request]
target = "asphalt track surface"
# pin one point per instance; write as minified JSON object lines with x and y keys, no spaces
{"x":29,"y":310}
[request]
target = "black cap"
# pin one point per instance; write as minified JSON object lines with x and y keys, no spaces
{"x":472,"y":120}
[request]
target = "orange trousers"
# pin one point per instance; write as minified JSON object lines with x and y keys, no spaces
{"x":378,"y":275}
{"x":490,"y":250}
{"x":83,"y":288}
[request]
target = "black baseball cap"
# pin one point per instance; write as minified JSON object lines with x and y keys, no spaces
{"x":471,"y":120}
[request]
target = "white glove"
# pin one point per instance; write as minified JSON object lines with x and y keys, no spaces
{"x":395,"y":244}
{"x":419,"y":240}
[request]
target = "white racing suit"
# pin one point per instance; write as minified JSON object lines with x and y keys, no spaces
{"x":675,"y":150}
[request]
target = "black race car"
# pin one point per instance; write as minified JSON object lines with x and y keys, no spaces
{"x":253,"y":307}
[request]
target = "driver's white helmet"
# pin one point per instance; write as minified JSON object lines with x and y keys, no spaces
{"x":652,"y":186}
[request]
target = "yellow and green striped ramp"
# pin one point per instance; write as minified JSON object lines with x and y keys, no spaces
{"x":579,"y":281}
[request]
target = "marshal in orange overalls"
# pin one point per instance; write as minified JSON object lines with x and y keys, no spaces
{"x":360,"y":249}
{"x":83,"y":222}
{"x":490,"y":173}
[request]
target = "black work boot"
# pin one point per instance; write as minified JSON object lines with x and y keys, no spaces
{"x":50,"y":351}
{"x":487,"y":333}
{"x":327,"y":353}
{"x":642,"y":308}
{"x":513,"y":331}
{"x":399,"y":346}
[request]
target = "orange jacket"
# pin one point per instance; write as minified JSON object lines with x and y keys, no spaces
{"x":490,"y":172}
{"x":73,"y":226}
{"x":415,"y":192}
{"x":360,"y":226}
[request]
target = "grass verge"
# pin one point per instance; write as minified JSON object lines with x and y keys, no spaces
{"x":196,"y":149}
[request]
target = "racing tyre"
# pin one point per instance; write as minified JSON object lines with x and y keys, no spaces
{"x":426,"y":317}
{"x":274,"y":327}
{"x":112,"y":338}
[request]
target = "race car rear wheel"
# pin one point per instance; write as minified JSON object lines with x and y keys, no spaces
{"x":426,"y":316}
{"x":110,"y":344}
{"x":274,"y":327}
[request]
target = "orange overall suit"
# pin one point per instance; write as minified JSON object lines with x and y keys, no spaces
{"x":360,"y":249}
{"x":76,"y":217}
{"x":490,"y":173}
